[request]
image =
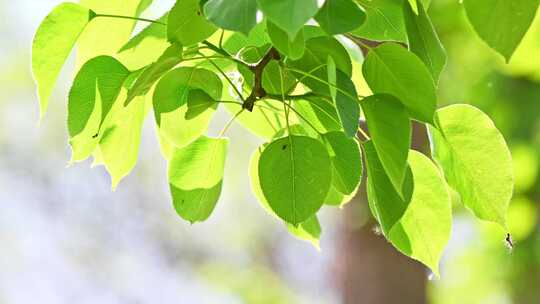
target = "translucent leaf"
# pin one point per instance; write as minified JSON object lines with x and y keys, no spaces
{"x":423,"y":40}
{"x":295,"y":175}
{"x":233,"y":15}
{"x":315,"y":59}
{"x":187,"y":24}
{"x":198,"y":102}
{"x":501,"y":24}
{"x":384,"y":20}
{"x":53,"y":41}
{"x":119,"y":145}
{"x":257,"y":38}
{"x":310,"y":230}
{"x":340,"y":16}
{"x":292,"y":48}
{"x":386,"y":204}
{"x":266,"y":119}
{"x":148,"y":77}
{"x":104,"y":74}
{"x":290,"y":15}
{"x":424,"y":230}
{"x":390,"y":131}
{"x":346,"y":161}
{"x":170,"y":99}
{"x":145,"y":47}
{"x":475,"y":160}
{"x":320,"y":112}
{"x":196,"y":177}
{"x":393,"y":70}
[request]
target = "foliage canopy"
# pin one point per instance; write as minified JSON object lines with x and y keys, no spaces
{"x":285,"y":69}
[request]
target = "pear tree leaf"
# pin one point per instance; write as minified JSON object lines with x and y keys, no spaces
{"x":320,"y":112}
{"x":170,"y":103}
{"x":119,"y":145}
{"x":424,"y":230}
{"x":295,"y":176}
{"x":346,"y":160}
{"x":423,"y":40}
{"x":309,"y":231}
{"x":187,"y":24}
{"x":384,"y":21}
{"x":198,"y":102}
{"x":267,"y":118}
{"x":289,"y":15}
{"x":104,"y":74}
{"x":386,"y":204}
{"x":196,"y":177}
{"x":346,"y":103}
{"x":293,"y":48}
{"x":148,"y":77}
{"x":475,"y":160}
{"x":391,"y":69}
{"x":340,"y":16}
{"x":52,"y":44}
{"x":390,"y":131}
{"x":271,"y":79}
{"x":501,"y":24}
{"x":233,"y":15}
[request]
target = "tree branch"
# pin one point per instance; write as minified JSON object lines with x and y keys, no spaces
{"x":258,"y":91}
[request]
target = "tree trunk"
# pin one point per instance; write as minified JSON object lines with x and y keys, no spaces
{"x":371,"y":270}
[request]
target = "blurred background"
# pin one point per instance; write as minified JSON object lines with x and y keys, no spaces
{"x":65,"y":237}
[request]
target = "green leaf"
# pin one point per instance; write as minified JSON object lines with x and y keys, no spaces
{"x":423,"y":40}
{"x":320,"y":112}
{"x":104,"y":74}
{"x":145,"y":47}
{"x":198,"y":102}
{"x":393,"y":70}
{"x":310,"y":230}
{"x":338,"y":199}
{"x":119,"y":145}
{"x":187,"y":24}
{"x":266,"y":119}
{"x":475,"y":160}
{"x":167,"y":61}
{"x":501,"y":24}
{"x":257,"y":37}
{"x":53,"y":41}
{"x":170,"y":99}
{"x":384,"y":20}
{"x":295,"y":175}
{"x":290,"y":15}
{"x":315,"y":59}
{"x":390,"y":131}
{"x":347,"y":104}
{"x":346,"y":161}
{"x":340,"y":16}
{"x":386,"y":204}
{"x":424,"y":229}
{"x":271,"y":79}
{"x":196,"y":177}
{"x":294,"y":48}
{"x":233,"y":15}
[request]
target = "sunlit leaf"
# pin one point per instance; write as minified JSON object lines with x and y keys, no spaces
{"x":475,"y":160}
{"x":384,"y":20}
{"x":187,"y":24}
{"x":346,"y":161}
{"x":234,"y":15}
{"x":292,"y":48}
{"x":196,"y":177}
{"x":392,"y":69}
{"x":53,"y":41}
{"x":290,"y":15}
{"x":340,"y":16}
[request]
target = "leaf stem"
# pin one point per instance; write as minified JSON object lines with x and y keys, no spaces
{"x":229,"y":123}
{"x":130,"y":18}
{"x":364,"y":134}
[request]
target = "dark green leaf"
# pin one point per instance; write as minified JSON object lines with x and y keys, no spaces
{"x":295,"y":175}
{"x":384,"y":20}
{"x":340,"y":16}
{"x":346,"y":161}
{"x":423,"y":40}
{"x":233,"y":15}
{"x":390,"y":131}
{"x":347,"y":104}
{"x":290,"y":15}
{"x":294,"y":48}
